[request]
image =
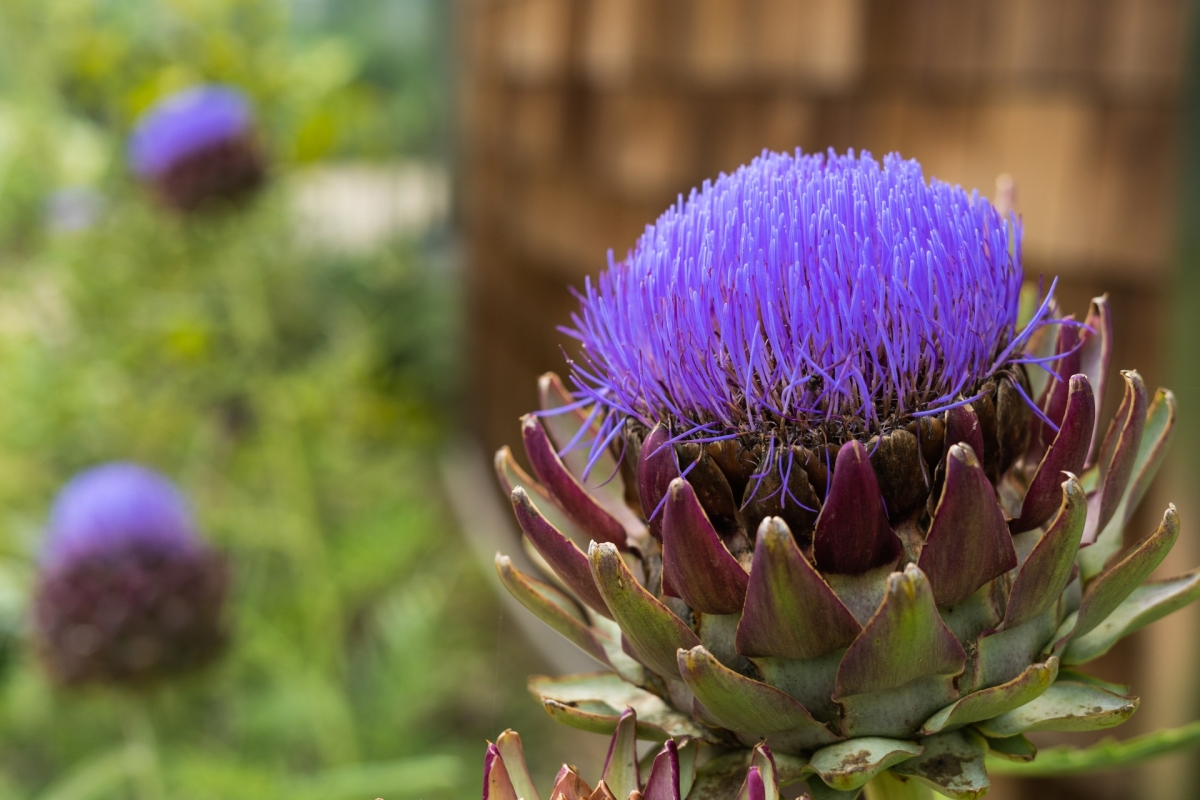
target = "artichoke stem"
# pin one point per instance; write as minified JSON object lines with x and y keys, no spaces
{"x":141,"y":742}
{"x":886,"y":786}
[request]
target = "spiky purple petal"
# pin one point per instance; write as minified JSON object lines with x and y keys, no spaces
{"x":818,"y":289}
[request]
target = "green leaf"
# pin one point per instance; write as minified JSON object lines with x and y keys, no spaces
{"x":811,"y":682}
{"x":410,"y":777}
{"x":953,"y":764}
{"x":846,"y":766}
{"x":511,"y":476}
{"x":1160,"y":425}
{"x":1108,"y":754}
{"x":749,"y":707}
{"x":904,"y":640}
{"x":621,"y":768}
{"x":653,"y":630}
{"x":1003,"y":655}
{"x":1146,"y":604}
{"x":821,"y":791}
{"x":1065,"y":706}
{"x":720,"y":777}
{"x":100,"y":775}
{"x":997,"y":700}
{"x":513,"y":755}
{"x":1013,"y":748}
{"x":594,"y":702}
{"x":552,"y":607}
{"x":1111,"y":587}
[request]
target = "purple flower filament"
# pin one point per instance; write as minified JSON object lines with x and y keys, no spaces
{"x":804,"y":292}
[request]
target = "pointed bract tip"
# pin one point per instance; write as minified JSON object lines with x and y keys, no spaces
{"x":600,"y":550}
{"x":545,"y":382}
{"x":496,"y":782}
{"x":964,"y":454}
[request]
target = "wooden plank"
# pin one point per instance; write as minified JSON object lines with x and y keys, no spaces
{"x":534,"y":40}
{"x":819,"y":44}
{"x":645,"y":142}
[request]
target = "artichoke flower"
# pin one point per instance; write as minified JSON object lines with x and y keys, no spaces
{"x":826,"y":478}
{"x":671,"y":772}
{"x":128,"y":593}
{"x":197,"y":148}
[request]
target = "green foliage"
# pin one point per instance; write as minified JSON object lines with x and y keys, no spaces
{"x":94,"y":65}
{"x":300,"y":400}
{"x":218,"y":352}
{"x":1106,"y":754}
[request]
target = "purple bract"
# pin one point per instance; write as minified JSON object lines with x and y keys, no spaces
{"x":185,"y":123}
{"x":110,"y":509}
{"x":803,"y":291}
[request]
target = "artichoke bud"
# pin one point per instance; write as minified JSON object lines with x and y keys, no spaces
{"x":127,"y":593}
{"x":197,"y":149}
{"x":670,"y":773}
{"x":815,"y":484}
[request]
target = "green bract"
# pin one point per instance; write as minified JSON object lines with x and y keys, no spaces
{"x":850,"y":633}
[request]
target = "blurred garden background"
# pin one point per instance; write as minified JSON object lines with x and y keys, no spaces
{"x":293,"y":364}
{"x":325,"y":369}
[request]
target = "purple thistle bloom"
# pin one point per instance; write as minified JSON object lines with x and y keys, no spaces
{"x":116,"y":507}
{"x":825,"y":434}
{"x":186,"y":123}
{"x":197,"y":149}
{"x":128,"y":592}
{"x":802,"y":292}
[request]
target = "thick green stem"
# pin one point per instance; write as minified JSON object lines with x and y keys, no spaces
{"x":145,"y":772}
{"x":886,"y":786}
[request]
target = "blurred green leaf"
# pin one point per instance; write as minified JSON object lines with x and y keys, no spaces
{"x":298,"y":397}
{"x":1107,"y":754}
{"x":99,"y":775}
{"x":406,"y":778}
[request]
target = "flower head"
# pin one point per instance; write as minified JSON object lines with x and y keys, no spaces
{"x":115,"y":508}
{"x":185,"y":124}
{"x":197,"y":146}
{"x":838,"y":515}
{"x":818,"y":291}
{"x":128,"y":592}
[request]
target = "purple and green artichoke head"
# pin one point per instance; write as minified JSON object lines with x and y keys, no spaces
{"x":127,"y":593}
{"x":825,"y":477}
{"x":669,"y":774}
{"x":197,"y":148}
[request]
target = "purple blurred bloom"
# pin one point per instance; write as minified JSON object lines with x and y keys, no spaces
{"x":128,"y":593}
{"x":114,"y":508}
{"x":804,"y":290}
{"x":186,"y":123}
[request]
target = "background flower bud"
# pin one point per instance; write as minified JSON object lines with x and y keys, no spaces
{"x":197,"y":147}
{"x":128,"y":592}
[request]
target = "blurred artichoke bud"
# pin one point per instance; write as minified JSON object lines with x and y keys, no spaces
{"x":668,"y":774}
{"x":128,"y":594}
{"x":197,"y":149}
